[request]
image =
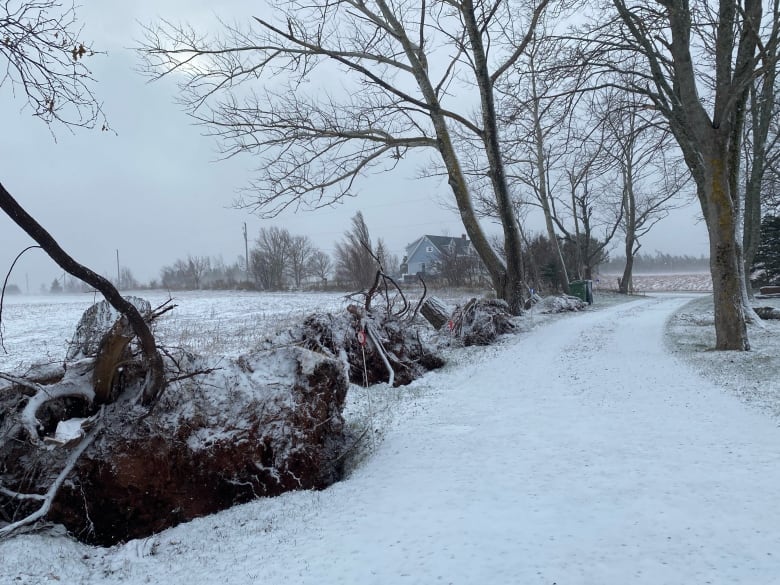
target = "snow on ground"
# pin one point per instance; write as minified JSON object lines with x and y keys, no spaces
{"x":39,"y":328}
{"x":754,"y":376}
{"x":645,"y":283}
{"x":580,"y":451}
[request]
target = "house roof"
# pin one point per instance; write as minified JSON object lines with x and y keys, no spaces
{"x":441,"y":242}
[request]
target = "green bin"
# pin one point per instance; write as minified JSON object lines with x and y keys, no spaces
{"x":582,"y":289}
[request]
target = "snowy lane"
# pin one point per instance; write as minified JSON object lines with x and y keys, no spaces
{"x":580,"y":453}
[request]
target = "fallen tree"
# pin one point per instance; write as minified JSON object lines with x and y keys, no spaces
{"x":81,"y":451}
{"x":110,"y":443}
{"x":767,"y":313}
{"x":559,"y":304}
{"x":78,"y":448}
{"x":481,"y":321}
{"x":154,"y":382}
{"x":376,"y":338}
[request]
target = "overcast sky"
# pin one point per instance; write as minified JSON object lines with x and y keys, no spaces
{"x":155,"y":190}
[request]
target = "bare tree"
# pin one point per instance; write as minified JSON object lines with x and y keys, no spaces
{"x":694,"y":62}
{"x":381,"y":255}
{"x":126,"y":279}
{"x":418,"y":72}
{"x":44,"y":57}
{"x":648,"y":178}
{"x":269,"y":258}
{"x":592,"y":220}
{"x":197,"y":267}
{"x":536,"y":111}
{"x":299,"y":255}
{"x":320,"y":265}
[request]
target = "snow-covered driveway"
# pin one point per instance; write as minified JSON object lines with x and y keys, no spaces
{"x":580,"y":453}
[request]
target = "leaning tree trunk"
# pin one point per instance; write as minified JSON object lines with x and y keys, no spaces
{"x":155,"y":378}
{"x":502,"y":277}
{"x":721,"y":218}
{"x":513,"y":285}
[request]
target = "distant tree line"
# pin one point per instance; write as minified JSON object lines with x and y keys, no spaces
{"x":660,"y":262}
{"x":70,"y":284}
{"x":542,"y":259}
{"x":201,"y":272}
{"x":280,"y":260}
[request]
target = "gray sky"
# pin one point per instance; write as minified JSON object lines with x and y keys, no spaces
{"x":155,"y":190}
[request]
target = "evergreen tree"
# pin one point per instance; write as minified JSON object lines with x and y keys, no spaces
{"x":766,"y":265}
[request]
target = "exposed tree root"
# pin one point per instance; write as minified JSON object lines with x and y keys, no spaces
{"x":48,"y":498}
{"x":480,"y":321}
{"x":224,"y":432}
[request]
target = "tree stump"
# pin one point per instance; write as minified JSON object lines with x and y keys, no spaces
{"x":435,"y":312}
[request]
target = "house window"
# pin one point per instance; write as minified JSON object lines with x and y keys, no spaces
{"x":429,"y":249}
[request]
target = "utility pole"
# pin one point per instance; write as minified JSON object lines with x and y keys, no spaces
{"x":246,"y":252}
{"x":118,"y":277}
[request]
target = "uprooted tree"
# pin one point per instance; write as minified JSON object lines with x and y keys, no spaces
{"x":117,"y":436}
{"x":78,"y":449}
{"x":223,"y":432}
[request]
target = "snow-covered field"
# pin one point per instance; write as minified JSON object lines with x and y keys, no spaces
{"x":644,"y":283}
{"x":39,"y":328}
{"x":586,"y":449}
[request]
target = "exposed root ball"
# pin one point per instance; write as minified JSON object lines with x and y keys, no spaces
{"x":352,"y":337}
{"x":267,"y":423}
{"x":480,"y":321}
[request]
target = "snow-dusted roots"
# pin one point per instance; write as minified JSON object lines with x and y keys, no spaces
{"x":77,"y":446}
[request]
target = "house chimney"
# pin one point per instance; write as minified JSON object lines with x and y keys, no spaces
{"x":463,"y":236}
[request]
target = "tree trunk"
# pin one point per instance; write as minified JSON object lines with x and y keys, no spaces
{"x":435,"y":312}
{"x":626,"y":286}
{"x":513,"y":286}
{"x":456,"y":179}
{"x":155,"y":377}
{"x":721,"y":217}
{"x":544,"y":200}
{"x":761,"y":110}
{"x":626,"y":282}
{"x":629,"y":215}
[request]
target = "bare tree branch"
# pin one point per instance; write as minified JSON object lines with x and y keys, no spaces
{"x":44,"y":62}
